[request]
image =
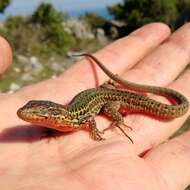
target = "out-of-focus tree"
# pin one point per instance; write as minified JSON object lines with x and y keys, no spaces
{"x":13,"y":22}
{"x":184,"y":12}
{"x":135,"y":13}
{"x":51,"y":22}
{"x":93,"y":20}
{"x":46,"y":14}
{"x":40,"y":34}
{"x":4,"y":4}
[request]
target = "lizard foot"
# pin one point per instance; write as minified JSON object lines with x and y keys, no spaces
{"x":115,"y":124}
{"x":96,"y":135}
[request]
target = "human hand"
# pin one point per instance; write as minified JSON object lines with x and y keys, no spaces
{"x":150,"y":55}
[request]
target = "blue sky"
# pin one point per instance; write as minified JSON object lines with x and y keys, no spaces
{"x":25,"y":7}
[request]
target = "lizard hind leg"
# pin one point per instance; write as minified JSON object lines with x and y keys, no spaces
{"x":111,"y":110}
{"x":107,"y":85}
{"x":110,"y":84}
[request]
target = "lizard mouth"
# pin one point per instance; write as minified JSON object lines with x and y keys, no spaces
{"x":29,"y":117}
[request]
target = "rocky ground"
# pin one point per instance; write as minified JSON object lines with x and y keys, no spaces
{"x":29,"y":69}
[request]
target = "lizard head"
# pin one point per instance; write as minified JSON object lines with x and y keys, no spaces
{"x":44,"y":113}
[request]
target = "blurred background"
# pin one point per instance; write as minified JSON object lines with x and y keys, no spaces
{"x":44,"y":33}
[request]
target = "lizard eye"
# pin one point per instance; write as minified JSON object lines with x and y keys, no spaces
{"x":43,"y":114}
{"x":54,"y":111}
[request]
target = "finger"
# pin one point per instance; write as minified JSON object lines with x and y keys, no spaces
{"x":6,"y":55}
{"x":121,"y":54}
{"x":80,"y":77}
{"x":171,"y":161}
{"x":166,"y":62}
{"x":160,"y":68}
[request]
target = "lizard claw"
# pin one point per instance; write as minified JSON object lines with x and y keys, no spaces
{"x":127,"y":126}
{"x":96,"y":135}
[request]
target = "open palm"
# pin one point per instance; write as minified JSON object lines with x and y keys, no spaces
{"x":150,"y":55}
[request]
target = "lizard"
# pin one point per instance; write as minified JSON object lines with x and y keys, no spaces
{"x":81,"y":111}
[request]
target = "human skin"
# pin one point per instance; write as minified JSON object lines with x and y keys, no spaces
{"x":150,"y":55}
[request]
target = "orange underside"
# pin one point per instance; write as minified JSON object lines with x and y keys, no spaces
{"x":62,"y":127}
{"x":126,"y":111}
{"x":67,"y":128}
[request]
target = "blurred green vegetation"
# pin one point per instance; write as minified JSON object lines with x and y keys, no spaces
{"x":94,"y":21}
{"x":135,"y":13}
{"x":3,"y":5}
{"x":41,"y":34}
{"x":44,"y":34}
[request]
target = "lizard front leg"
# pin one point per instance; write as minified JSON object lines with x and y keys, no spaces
{"x":94,"y":132}
{"x":110,"y":84}
{"x":111,"y":109}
